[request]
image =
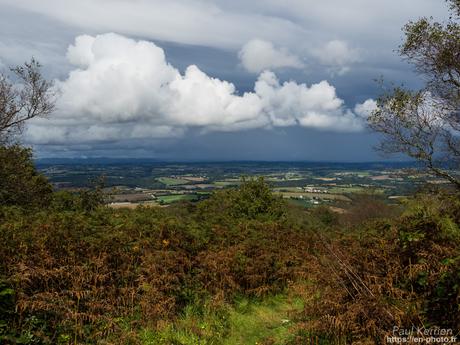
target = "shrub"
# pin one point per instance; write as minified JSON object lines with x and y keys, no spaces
{"x":252,"y":200}
{"x":402,"y":272}
{"x":83,"y":273}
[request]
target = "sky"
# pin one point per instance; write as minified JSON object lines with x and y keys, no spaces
{"x":211,"y":79}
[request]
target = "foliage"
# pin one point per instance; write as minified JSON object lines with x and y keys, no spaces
{"x":206,"y":272}
{"x":20,"y":183}
{"x":7,"y":304}
{"x":325,"y":215}
{"x":432,"y":47}
{"x":82,"y":272}
{"x":425,"y":124}
{"x":402,"y":272}
{"x":253,"y":199}
{"x":86,"y":200}
{"x":91,"y":199}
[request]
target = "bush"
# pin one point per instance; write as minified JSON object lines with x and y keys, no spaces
{"x":78,"y":272}
{"x":85,"y":272}
{"x":87,"y":200}
{"x":400,"y":272}
{"x":252,"y":200}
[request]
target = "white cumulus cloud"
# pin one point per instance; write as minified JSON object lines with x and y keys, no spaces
{"x":121,"y":88}
{"x":258,"y":55}
{"x":366,"y":108}
{"x":337,"y":55}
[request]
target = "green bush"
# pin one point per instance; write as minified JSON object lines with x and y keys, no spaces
{"x":252,"y":200}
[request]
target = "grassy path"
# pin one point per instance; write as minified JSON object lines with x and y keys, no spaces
{"x":245,"y":323}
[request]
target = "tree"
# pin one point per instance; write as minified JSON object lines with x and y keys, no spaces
{"x":253,"y":199}
{"x":20,"y":183}
{"x":28,"y":97}
{"x":32,"y":96}
{"x":425,"y":124}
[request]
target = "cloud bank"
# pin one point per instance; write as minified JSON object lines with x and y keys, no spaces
{"x":121,"y":88}
{"x":180,"y":21}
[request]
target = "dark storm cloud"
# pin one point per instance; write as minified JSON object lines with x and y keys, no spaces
{"x":265,"y":145}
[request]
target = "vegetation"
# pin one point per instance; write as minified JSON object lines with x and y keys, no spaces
{"x":172,"y":181}
{"x":425,"y":124}
{"x":168,"y":199}
{"x":241,"y":267}
{"x":20,"y":184}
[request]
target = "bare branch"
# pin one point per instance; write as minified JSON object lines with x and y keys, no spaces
{"x":30,"y":97}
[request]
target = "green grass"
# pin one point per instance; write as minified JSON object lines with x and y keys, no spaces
{"x":226,"y":183}
{"x":357,"y":190}
{"x":200,"y":192}
{"x":288,"y":189}
{"x":169,"y":181}
{"x":244,"y":323}
{"x":307,"y":195}
{"x":250,"y":323}
{"x":169,"y":199}
{"x":300,"y":202}
{"x":355,"y":172}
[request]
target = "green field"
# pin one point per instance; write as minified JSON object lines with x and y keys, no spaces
{"x":288,"y":189}
{"x":301,"y":202}
{"x":358,"y":190}
{"x":170,"y":181}
{"x":356,"y":173}
{"x":169,"y":199}
{"x":227,"y":183}
{"x":325,"y":196}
